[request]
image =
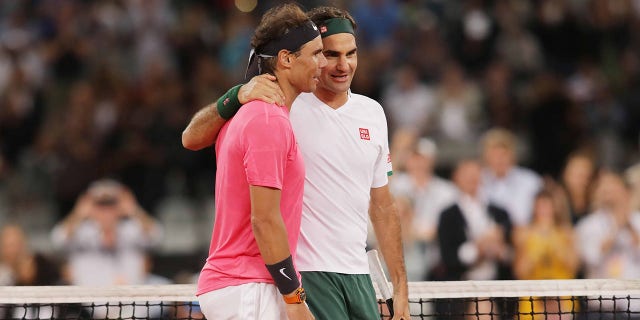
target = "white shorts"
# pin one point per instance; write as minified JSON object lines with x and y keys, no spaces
{"x":259,"y":301}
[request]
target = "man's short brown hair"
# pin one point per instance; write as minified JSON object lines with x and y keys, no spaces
{"x":320,"y":14}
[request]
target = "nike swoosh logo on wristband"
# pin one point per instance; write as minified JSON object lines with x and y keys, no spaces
{"x":284,"y":274}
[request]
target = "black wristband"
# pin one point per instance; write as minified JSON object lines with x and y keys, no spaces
{"x":284,"y":275}
{"x":229,"y":104}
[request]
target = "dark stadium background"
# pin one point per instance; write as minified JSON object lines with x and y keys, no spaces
{"x":92,"y":89}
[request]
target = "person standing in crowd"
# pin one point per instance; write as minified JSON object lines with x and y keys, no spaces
{"x":21,"y":266}
{"x":474,"y":235}
{"x":107,"y":234}
{"x":474,"y":238}
{"x":609,"y":239}
{"x":259,"y":183}
{"x":105,"y":240}
{"x":576,"y":183}
{"x":421,"y":196}
{"x":346,"y":177}
{"x":504,"y":182}
{"x":544,"y":250}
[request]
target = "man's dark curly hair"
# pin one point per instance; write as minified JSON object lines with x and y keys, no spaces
{"x":275,"y":22}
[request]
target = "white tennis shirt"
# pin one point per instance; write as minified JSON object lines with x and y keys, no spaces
{"x":346,"y":153}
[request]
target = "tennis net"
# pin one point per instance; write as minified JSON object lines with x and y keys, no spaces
{"x":526,"y":300}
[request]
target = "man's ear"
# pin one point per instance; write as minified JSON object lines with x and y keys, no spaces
{"x":284,"y":58}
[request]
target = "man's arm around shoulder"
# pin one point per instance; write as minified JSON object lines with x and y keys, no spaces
{"x":203,"y":129}
{"x":205,"y":125}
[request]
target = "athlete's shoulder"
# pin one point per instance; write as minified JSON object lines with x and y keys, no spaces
{"x":257,"y":108}
{"x":366,"y":102}
{"x":305,"y":98}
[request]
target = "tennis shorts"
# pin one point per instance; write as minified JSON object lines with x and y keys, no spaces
{"x":250,"y":301}
{"x":339,"y":296}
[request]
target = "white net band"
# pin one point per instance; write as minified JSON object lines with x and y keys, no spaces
{"x":417,"y":290}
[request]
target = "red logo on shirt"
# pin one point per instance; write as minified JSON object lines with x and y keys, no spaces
{"x":389,"y":158}
{"x":364,"y":134}
{"x":323,"y":29}
{"x":225,"y":101}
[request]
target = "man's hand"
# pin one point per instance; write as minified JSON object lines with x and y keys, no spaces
{"x":299,"y":312}
{"x":263,"y":87}
{"x":401,"y":307}
{"x":83,"y":207}
{"x":128,"y":205}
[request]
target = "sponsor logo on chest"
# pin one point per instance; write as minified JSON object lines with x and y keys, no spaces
{"x":364,"y":134}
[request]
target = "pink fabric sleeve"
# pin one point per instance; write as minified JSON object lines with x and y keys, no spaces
{"x":267,"y":143}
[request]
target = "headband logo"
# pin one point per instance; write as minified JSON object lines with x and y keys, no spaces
{"x":333,"y":26}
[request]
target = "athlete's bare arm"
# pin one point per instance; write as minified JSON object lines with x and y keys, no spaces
{"x":386,"y":224}
{"x":203,"y":128}
{"x":268,"y":226}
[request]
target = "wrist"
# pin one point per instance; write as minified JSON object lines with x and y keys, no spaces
{"x":228,"y":104}
{"x":298,"y":296}
{"x":284,"y":275}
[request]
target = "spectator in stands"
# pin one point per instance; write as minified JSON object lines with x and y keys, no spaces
{"x":458,"y":117}
{"x":632,"y":175}
{"x":378,"y":19}
{"x":21,"y":113}
{"x":12,"y":248}
{"x":576,"y":181}
{"x":106,"y":236}
{"x":499,"y":98}
{"x":609,"y":237}
{"x":516,"y":45}
{"x":504,"y":182}
{"x":25,"y":267}
{"x":20,"y":266}
{"x":421,"y":196}
{"x":545,"y":249}
{"x":409,"y":102}
{"x":555,"y":125}
{"x":474,"y":236}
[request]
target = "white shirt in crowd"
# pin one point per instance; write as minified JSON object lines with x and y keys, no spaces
{"x":515,"y":192}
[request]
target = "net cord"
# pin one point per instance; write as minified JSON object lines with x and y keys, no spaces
{"x":417,"y":290}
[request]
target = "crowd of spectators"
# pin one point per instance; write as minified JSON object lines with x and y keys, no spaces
{"x":94,"y":89}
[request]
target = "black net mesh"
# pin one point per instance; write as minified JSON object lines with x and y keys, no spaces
{"x":524,"y":308}
{"x":112,"y":310}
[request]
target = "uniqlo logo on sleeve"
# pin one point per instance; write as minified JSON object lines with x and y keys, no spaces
{"x":364,"y":134}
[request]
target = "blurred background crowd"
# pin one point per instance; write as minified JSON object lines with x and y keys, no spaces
{"x":520,"y":117}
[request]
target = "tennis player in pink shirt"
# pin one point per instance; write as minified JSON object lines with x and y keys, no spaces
{"x":250,"y":272}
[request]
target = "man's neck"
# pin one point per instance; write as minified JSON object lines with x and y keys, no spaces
{"x":332,"y":99}
{"x":290,"y":92}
